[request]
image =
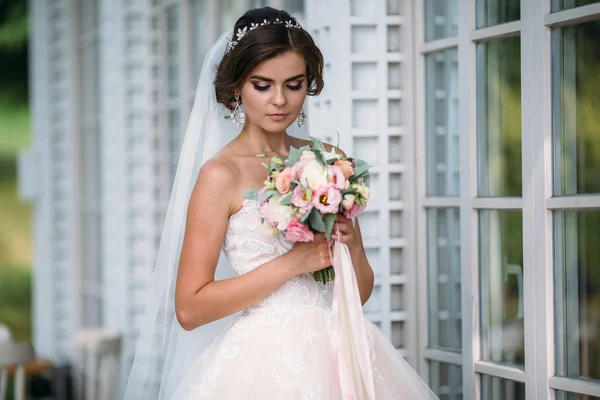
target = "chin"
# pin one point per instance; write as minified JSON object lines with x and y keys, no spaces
{"x":276,"y":127}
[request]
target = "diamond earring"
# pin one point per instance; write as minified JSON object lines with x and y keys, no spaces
{"x":301,"y":117}
{"x":237,"y":116}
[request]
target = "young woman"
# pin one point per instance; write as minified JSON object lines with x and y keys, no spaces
{"x":280,"y":345}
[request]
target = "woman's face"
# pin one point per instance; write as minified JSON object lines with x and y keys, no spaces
{"x":274,"y":92}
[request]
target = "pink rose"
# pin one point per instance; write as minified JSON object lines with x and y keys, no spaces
{"x":346,"y":168}
{"x":297,"y":169}
{"x":353,"y":211}
{"x":298,"y":232}
{"x":327,"y":199}
{"x":283,"y":181}
{"x":337,"y":177}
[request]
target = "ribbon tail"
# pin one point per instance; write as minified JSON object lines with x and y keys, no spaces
{"x":351,"y":358}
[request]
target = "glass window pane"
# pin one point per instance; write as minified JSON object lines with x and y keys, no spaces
{"x":442,"y":134}
{"x":558,"y":5}
{"x":493,"y":388}
{"x":445,"y":380}
{"x":440,"y":19}
{"x":499,"y":117}
{"x":577,"y":289}
{"x":444,"y":293}
{"x":560,"y":395}
{"x":576,"y":84}
{"x":501,"y":286}
{"x":173,"y":51}
{"x":495,"y":12}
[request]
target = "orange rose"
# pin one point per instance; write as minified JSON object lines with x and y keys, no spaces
{"x":346,"y":168}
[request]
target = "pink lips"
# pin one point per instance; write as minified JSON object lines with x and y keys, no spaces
{"x":277,"y":117}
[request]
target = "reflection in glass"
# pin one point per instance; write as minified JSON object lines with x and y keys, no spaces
{"x":493,"y":388}
{"x":442,"y":135}
{"x":576,"y":96}
{"x":444,"y":294}
{"x":558,"y":5}
{"x":501,"y":286}
{"x":560,"y":395}
{"x":494,"y":12}
{"x":577,"y":289}
{"x":499,"y":117}
{"x":440,"y":19}
{"x":446,"y":380}
{"x":173,"y":51}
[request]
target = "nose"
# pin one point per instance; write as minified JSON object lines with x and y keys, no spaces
{"x":278,"y":99}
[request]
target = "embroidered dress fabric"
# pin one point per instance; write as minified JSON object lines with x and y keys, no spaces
{"x":281,"y":347}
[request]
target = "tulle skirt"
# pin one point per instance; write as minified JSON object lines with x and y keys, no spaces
{"x":286,"y":354}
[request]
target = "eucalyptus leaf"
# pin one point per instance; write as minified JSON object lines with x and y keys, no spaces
{"x":305,"y":216}
{"x":294,"y":157}
{"x":320,"y":158}
{"x":251,"y":194}
{"x":329,"y":220}
{"x":286,"y":200}
{"x":317,"y":143}
{"x":267,"y":195}
{"x":316,"y":221}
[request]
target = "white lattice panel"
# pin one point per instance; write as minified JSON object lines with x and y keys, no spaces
{"x":365,"y":46}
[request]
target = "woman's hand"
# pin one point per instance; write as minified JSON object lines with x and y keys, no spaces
{"x":347,"y":234}
{"x":310,"y":256}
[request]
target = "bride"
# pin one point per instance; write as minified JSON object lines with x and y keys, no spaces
{"x":287,"y":336}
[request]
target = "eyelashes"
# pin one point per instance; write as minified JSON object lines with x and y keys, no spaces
{"x":267,"y":87}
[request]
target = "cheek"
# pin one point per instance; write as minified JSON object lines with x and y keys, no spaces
{"x":253,"y":101}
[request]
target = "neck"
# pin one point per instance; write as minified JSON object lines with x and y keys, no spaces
{"x":258,"y":141}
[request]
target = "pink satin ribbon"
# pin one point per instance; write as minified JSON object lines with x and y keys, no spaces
{"x":350,"y":348}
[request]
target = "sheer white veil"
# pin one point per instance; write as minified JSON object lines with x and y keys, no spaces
{"x":165,"y":352}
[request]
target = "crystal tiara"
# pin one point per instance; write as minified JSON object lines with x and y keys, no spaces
{"x":241,"y":32}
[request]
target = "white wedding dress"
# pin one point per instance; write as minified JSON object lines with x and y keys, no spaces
{"x":280,"y":348}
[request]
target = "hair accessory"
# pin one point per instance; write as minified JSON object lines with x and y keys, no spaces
{"x":241,"y":32}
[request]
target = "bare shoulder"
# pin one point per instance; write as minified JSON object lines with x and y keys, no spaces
{"x":217,"y":180}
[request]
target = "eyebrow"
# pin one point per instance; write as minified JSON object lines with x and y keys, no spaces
{"x":293,"y":78}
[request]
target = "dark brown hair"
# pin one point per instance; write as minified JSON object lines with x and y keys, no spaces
{"x":264,"y":43}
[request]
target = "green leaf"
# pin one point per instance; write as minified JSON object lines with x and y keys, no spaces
{"x":286,"y":200}
{"x":316,"y":221}
{"x":317,"y":143}
{"x":320,"y":158}
{"x":266,"y":167}
{"x":360,"y":169}
{"x":294,"y":157}
{"x":267,"y":195}
{"x":251,"y":194}
{"x":348,"y":191}
{"x":262,"y":155}
{"x":305,"y":217}
{"x":329,"y":220}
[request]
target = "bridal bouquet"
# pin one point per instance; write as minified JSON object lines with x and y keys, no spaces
{"x":303,"y":193}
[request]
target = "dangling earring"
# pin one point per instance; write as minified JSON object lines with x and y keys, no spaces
{"x":238,"y":116}
{"x":301,"y":117}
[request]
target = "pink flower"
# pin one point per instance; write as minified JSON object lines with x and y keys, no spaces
{"x":353,"y":211}
{"x":346,"y":168}
{"x":337,"y":177}
{"x":327,"y":199}
{"x":299,"y":199}
{"x":298,"y":232}
{"x":283,"y":181}
{"x":297,"y":169}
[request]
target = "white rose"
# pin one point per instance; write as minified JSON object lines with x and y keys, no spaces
{"x":330,"y":155}
{"x":314,"y":175}
{"x":307,"y":156}
{"x":363,"y":191}
{"x":348,"y":201}
{"x":282,"y":215}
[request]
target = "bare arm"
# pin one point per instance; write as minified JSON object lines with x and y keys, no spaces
{"x":199,"y":299}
